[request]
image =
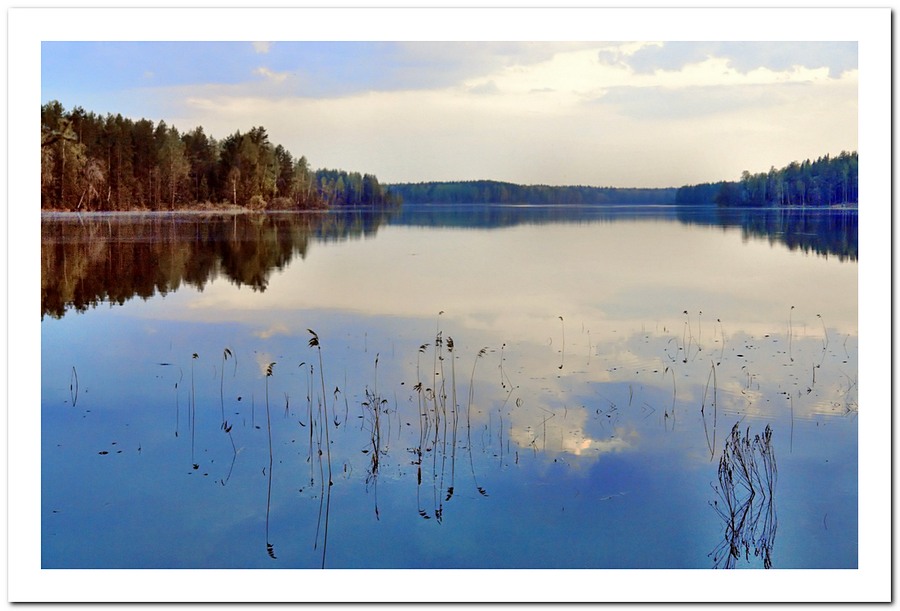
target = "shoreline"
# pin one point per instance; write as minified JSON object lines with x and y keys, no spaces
{"x":240,"y":211}
{"x":183,"y":212}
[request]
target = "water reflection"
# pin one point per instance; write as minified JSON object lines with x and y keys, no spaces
{"x":112,"y":258}
{"x":455,"y":424}
{"x":746,"y":499}
{"x":816,"y":230}
{"x":422,"y":411}
{"x":509,"y":215}
{"x":812,"y":230}
{"x":86,"y":261}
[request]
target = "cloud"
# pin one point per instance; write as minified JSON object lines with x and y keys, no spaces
{"x":583,"y":135}
{"x":273,"y":330}
{"x":487,"y":87}
{"x":588,"y":74}
{"x":276,"y":77}
{"x":667,"y":104}
{"x":262,"y":47}
{"x":330,"y":69}
{"x":526,"y":112}
{"x":617,"y":53}
{"x":559,"y":437}
{"x":836,"y":57}
{"x":442,"y":64}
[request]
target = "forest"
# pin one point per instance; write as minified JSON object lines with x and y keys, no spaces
{"x":827,"y":181}
{"x":92,"y":162}
{"x":494,"y":192}
{"x":109,"y":163}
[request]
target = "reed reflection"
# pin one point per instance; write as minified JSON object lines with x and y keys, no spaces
{"x":746,"y":499}
{"x":459,"y":426}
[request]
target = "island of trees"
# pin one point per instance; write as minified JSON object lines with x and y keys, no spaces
{"x":90,"y":162}
{"x":827,"y":181}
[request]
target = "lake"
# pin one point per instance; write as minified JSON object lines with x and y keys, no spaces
{"x":450,"y":387}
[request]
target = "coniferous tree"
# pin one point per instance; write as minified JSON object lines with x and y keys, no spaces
{"x":827,"y":181}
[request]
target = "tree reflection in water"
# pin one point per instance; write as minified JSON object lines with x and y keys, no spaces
{"x":112,"y":258}
{"x":88,"y":260}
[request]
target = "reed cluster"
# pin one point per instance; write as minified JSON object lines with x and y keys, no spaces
{"x":747,"y":476}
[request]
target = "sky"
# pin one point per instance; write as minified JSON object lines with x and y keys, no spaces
{"x":599,"y":113}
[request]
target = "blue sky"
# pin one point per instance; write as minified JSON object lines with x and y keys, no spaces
{"x":624,"y":114}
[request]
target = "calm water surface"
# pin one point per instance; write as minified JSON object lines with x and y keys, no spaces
{"x":498,"y":387}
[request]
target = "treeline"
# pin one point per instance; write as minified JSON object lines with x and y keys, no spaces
{"x":494,"y":192}
{"x":90,"y":162}
{"x":827,"y":181}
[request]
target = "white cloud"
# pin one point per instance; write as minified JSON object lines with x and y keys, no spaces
{"x":746,"y":56}
{"x":273,"y":330}
{"x":262,"y":47}
{"x":584,"y":73}
{"x":648,"y":137}
{"x":276,"y":77}
{"x":576,"y":115}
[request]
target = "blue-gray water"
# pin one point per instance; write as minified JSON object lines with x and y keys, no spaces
{"x":505,"y":387}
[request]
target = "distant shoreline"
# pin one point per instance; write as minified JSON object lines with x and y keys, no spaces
{"x":240,"y":211}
